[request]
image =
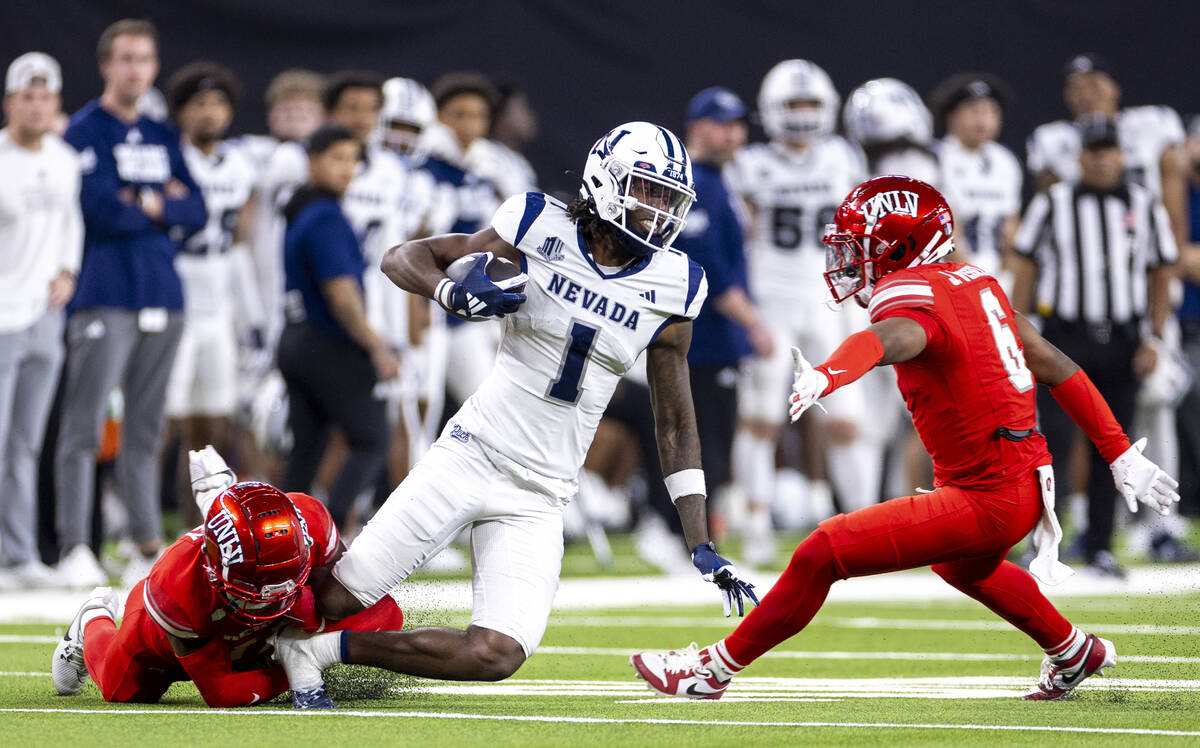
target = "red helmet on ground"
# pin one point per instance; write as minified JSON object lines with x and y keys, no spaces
{"x":885,"y":224}
{"x":257,"y":551}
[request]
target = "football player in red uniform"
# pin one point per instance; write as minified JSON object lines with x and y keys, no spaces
{"x":214,"y":599}
{"x":967,"y":366}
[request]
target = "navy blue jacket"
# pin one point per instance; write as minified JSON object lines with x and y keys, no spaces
{"x":129,"y":260}
{"x":713,"y":238}
{"x":318,"y":246}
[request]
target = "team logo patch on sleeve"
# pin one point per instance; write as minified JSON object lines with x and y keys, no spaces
{"x":551,"y":249}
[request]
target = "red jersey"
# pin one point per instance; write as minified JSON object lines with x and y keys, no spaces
{"x":179,"y":598}
{"x":970,"y":381}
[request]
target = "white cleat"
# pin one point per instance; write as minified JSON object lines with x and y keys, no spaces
{"x":67,"y":668}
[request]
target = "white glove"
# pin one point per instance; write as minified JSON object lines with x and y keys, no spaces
{"x":210,"y":476}
{"x":807,"y":385}
{"x":1139,"y":479}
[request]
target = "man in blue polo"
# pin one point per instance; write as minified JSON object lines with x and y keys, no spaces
{"x":139,"y":202}
{"x":729,"y":327}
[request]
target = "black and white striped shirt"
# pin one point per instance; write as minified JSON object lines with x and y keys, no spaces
{"x":1093,"y":250}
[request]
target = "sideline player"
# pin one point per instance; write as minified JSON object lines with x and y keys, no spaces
{"x":792,"y":185}
{"x":211,"y":603}
{"x":967,"y":366}
{"x":221,"y":300}
{"x":981,"y":178}
{"x":603,"y":285}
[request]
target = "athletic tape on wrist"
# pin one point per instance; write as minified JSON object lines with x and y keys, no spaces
{"x":685,"y":483}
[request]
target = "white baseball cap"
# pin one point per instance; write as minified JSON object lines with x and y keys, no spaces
{"x":29,"y":67}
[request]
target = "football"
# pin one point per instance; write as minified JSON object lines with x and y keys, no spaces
{"x":504,"y":273}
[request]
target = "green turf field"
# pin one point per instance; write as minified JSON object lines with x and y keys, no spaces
{"x":880,"y":673}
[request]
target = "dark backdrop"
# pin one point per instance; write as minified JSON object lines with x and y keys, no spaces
{"x":590,"y":65}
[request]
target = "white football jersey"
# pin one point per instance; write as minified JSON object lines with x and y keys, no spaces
{"x":983,"y":188}
{"x":374,"y":205}
{"x":577,"y":334}
{"x":792,"y":195}
{"x":206,"y":265}
{"x":1144,"y":132}
{"x":914,"y":162}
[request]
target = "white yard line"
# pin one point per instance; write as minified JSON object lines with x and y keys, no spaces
{"x":947,"y":656}
{"x":634,"y":691}
{"x":552,"y":718}
{"x":931,"y":624}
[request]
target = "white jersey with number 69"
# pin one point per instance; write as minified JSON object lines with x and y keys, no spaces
{"x":566,"y":348}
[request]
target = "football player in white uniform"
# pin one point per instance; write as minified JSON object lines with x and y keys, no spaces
{"x":1151,"y":140}
{"x":791,"y":186}
{"x":888,"y":120}
{"x":981,"y":179}
{"x":221,"y":299}
{"x":373,"y":204}
{"x":603,"y":284}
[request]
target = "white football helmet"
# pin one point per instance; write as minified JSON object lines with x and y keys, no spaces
{"x":797,"y":80}
{"x":887,"y":109}
{"x":408,"y":104}
{"x":640,"y":168}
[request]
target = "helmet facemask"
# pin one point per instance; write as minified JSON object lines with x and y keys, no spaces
{"x":646,"y":207}
{"x":847,"y":265}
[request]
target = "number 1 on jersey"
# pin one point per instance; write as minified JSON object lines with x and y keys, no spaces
{"x":565,"y":386}
{"x":1011,"y":355}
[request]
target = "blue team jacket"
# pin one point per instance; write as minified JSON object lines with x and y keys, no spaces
{"x":128,"y":260}
{"x":713,"y":238}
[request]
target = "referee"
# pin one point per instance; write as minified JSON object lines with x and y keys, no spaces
{"x":328,"y":354}
{"x":1096,"y":253}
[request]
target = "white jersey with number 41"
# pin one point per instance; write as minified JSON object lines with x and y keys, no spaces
{"x":579,"y":331}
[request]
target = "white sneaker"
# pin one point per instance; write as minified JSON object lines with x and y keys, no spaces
{"x":35,"y":574}
{"x":67,"y":668}
{"x":79,"y":568}
{"x":138,"y":568}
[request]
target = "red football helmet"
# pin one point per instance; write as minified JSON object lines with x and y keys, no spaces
{"x":257,"y":551}
{"x":885,"y":224}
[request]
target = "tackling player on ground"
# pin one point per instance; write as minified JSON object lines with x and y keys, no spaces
{"x":212,"y":602}
{"x":967,"y":366}
{"x":603,"y":285}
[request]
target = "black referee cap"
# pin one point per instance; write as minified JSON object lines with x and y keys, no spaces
{"x":1098,"y":131}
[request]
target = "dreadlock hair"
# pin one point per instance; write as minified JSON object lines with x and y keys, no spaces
{"x":582,"y":210}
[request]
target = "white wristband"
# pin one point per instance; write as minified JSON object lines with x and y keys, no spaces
{"x":685,"y":483}
{"x":441,"y":294}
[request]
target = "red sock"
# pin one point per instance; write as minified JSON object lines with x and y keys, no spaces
{"x":1011,"y":593}
{"x":790,"y":604}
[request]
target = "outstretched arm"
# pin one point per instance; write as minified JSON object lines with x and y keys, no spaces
{"x":675,"y":422}
{"x":888,"y":341}
{"x":679,"y":453}
{"x":1137,"y":478}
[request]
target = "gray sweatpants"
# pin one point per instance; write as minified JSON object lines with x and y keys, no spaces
{"x":30,"y":360}
{"x":106,"y":349}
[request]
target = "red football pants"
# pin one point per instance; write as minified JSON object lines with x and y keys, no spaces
{"x":133,"y":663}
{"x":963,"y":534}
